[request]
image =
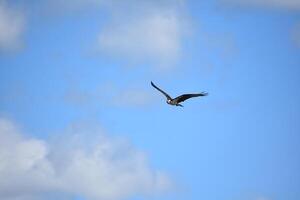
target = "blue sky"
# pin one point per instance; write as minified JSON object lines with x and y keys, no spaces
{"x":80,"y":120}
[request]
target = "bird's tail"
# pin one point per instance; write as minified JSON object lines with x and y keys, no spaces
{"x":179,"y":105}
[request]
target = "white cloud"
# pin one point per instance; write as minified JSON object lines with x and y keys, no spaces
{"x":101,"y":168}
{"x":11,"y":27}
{"x":279,"y":4}
{"x":146,"y":31}
{"x":154,"y":36}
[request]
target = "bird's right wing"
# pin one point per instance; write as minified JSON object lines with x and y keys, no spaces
{"x":168,"y":96}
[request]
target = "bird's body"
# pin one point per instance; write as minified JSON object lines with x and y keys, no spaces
{"x":173,"y":103}
{"x":176,"y":101}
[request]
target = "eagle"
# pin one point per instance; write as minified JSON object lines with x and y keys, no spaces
{"x":176,"y":101}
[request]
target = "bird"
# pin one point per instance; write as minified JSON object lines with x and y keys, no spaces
{"x":176,"y":101}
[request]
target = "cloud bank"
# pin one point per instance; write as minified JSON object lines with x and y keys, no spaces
{"x":12,"y":23}
{"x":102,"y":168}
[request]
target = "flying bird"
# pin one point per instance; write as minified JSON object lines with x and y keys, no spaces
{"x":176,"y":101}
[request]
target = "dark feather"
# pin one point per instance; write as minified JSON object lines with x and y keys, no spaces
{"x":184,"y":97}
{"x":168,"y":96}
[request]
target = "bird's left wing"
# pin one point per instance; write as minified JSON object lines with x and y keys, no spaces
{"x":184,"y":97}
{"x":168,"y":96}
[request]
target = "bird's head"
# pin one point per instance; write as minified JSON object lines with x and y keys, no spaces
{"x":168,"y":101}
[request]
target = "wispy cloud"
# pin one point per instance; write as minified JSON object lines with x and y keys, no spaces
{"x":133,"y":97}
{"x":99,"y":167}
{"x":295,"y":35}
{"x":110,"y":95}
{"x":262,"y":198}
{"x":278,"y":4}
{"x":12,"y":24}
{"x":69,"y":6}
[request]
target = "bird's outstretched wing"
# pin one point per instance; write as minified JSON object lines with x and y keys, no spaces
{"x":168,"y":96}
{"x":184,"y":97}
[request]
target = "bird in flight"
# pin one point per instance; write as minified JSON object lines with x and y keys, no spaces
{"x":176,"y":101}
